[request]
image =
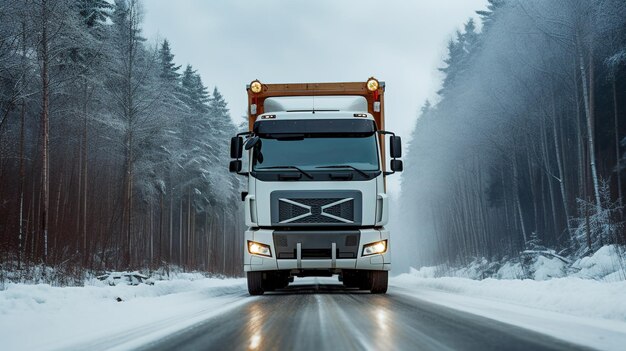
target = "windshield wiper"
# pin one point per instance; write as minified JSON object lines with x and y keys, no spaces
{"x":289,"y":167}
{"x":346,"y":166}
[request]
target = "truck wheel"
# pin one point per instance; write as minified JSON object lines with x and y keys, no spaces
{"x":255,"y":283}
{"x":379,"y":281}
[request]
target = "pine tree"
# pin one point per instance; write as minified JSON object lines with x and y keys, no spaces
{"x":459,"y":53}
{"x":169,"y":70}
{"x":197,"y":93}
{"x":89,"y":62}
{"x":218,"y":110}
{"x":451,"y":71}
{"x":94,"y":11}
{"x":425,"y":109}
{"x":470,"y":37}
{"x":133,"y":87}
{"x":489,"y":16}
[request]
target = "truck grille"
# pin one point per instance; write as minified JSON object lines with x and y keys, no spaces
{"x":315,"y":208}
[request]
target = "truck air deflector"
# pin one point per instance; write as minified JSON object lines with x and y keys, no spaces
{"x":346,"y":127}
{"x":316,"y":103}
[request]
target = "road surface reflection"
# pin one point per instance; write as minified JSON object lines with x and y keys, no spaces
{"x":327,"y":315}
{"x":255,"y":325}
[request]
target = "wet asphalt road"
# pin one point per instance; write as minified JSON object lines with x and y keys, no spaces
{"x":329,"y":317}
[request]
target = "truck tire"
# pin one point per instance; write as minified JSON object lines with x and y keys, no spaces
{"x":379,"y":281}
{"x":255,"y":283}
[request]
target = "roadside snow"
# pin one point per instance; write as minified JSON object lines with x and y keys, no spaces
{"x":521,"y":306}
{"x":583,"y":302}
{"x":607,"y":264}
{"x":41,"y":317}
{"x":575,"y":296}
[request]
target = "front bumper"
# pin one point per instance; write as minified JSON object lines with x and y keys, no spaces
{"x":366,"y":236}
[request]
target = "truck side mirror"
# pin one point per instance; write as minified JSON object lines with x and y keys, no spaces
{"x":395,"y":146}
{"x":397,"y":166}
{"x":236,"y":147}
{"x":234,"y":166}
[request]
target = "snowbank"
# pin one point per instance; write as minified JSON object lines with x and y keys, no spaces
{"x":607,"y":264}
{"x":76,"y":316}
{"x":571,"y":295}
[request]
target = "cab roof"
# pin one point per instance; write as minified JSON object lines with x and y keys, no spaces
{"x":372,"y":90}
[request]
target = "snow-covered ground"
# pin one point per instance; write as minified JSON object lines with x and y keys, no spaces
{"x":582,"y":301}
{"x":574,"y":296}
{"x":41,"y":317}
{"x":593,"y":286}
{"x":582,"y":312}
{"x":608,"y":264}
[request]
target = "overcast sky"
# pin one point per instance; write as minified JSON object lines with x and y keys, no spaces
{"x":231,"y":43}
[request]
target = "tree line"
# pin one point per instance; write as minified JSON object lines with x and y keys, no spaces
{"x":111,"y":155}
{"x":525,"y":143}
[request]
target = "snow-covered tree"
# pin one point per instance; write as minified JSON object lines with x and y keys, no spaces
{"x":135,"y":172}
{"x":594,"y":228}
{"x":527,"y":122}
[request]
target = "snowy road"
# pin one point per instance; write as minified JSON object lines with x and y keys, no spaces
{"x":314,"y":316}
{"x":196,"y":313}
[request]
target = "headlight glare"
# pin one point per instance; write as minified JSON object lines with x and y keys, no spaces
{"x":259,"y":249}
{"x":378,"y":247}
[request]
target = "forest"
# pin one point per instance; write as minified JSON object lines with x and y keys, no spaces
{"x":111,"y":154}
{"x":523,"y":148}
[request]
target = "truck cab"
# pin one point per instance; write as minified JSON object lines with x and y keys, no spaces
{"x":316,"y":202}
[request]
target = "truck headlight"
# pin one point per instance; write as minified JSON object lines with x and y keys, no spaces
{"x":378,"y":247}
{"x":259,"y":249}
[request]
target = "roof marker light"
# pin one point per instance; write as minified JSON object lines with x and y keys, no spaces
{"x":360,"y":115}
{"x":372,"y":84}
{"x":256,"y":86}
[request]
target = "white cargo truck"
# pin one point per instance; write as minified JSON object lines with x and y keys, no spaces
{"x":316,"y":202}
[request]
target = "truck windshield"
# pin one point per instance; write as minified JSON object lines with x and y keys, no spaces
{"x":310,"y":153}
